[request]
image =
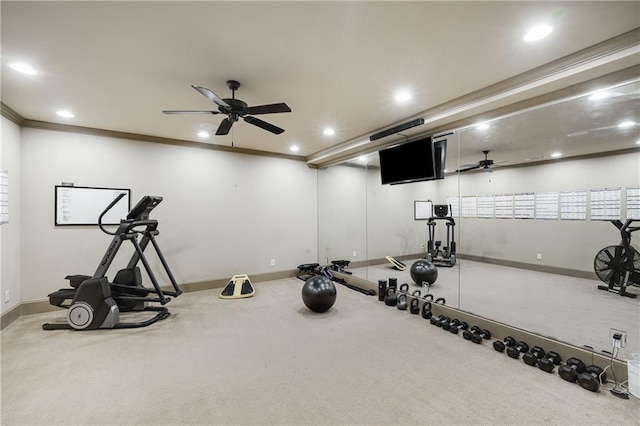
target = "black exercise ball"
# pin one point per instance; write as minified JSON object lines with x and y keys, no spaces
{"x":422,"y":271}
{"x":319,"y":293}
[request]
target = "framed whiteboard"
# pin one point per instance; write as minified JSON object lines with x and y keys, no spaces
{"x":81,"y":205}
{"x":422,"y":210}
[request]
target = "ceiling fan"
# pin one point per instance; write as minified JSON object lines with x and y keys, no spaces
{"x":235,"y":109}
{"x":486,"y":165}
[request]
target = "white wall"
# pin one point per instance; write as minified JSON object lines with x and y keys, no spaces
{"x":222,"y":214}
{"x":562,"y":243}
{"x":342,"y":228}
{"x":10,"y":232}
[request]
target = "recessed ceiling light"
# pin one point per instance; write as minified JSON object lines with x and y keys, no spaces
{"x":402,"y":96}
{"x":294,"y":148}
{"x":599,"y":95}
{"x":626,"y":124}
{"x":23,"y":68}
{"x":538,"y":32}
{"x":556,"y":154}
{"x":203,"y":134}
{"x":329,"y":132}
{"x":638,"y":142}
{"x":483,"y":126}
{"x":64,"y":113}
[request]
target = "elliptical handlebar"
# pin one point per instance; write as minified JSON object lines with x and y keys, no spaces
{"x":109,"y":207}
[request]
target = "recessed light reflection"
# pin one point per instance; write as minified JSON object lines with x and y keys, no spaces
{"x":329,"y":132}
{"x":599,"y":95}
{"x":23,"y":68}
{"x":403,"y":96}
{"x":483,"y":126}
{"x":64,"y":113}
{"x":202,"y":134}
{"x":538,"y":32}
{"x":626,"y":124}
{"x":556,"y":154}
{"x":294,"y":148}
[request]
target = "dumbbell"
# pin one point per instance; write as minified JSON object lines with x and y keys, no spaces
{"x":457,"y":325}
{"x":592,"y":377}
{"x":501,"y":345}
{"x":532,"y":356}
{"x":393,"y":283}
{"x":402,"y":301}
{"x":382,"y":289}
{"x":441,"y":319}
{"x":549,"y":361}
{"x":475,"y":334}
{"x":515,"y":351}
{"x":571,"y":370}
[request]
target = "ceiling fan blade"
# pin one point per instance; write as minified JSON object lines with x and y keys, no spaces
{"x":264,"y":125}
{"x":224,"y":127}
{"x":468,"y":166}
{"x":211,"y":96}
{"x":268,"y":109}
{"x":186,"y":111}
{"x":463,"y":169}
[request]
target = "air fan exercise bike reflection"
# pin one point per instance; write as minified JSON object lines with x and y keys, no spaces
{"x":619,"y":266}
{"x":93,"y":302}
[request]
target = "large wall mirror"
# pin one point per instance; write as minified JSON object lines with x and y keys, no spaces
{"x":531,"y":214}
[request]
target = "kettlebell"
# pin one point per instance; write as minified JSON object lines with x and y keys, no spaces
{"x":402,"y":302}
{"x":441,"y":301}
{"x":404,"y":288}
{"x":414,"y":306}
{"x":416,"y":293}
{"x":426,"y":310}
{"x":428,"y":297}
{"x":391,"y":299}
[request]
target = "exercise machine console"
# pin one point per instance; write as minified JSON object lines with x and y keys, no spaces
{"x":94,"y":302}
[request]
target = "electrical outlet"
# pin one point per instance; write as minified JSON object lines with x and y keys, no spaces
{"x":354,"y":253}
{"x":618,"y":343}
{"x":6,"y":296}
{"x":273,"y":262}
{"x":539,"y":256}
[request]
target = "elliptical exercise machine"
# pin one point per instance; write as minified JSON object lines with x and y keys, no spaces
{"x":619,"y":266}
{"x":447,"y":255}
{"x":93,"y":302}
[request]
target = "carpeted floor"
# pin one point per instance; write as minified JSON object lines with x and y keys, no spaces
{"x":269,"y":360}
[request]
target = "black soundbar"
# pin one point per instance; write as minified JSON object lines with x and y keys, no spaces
{"x":397,"y":129}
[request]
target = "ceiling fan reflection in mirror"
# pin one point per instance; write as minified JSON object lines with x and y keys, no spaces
{"x":486,"y":165}
{"x":236,"y":109}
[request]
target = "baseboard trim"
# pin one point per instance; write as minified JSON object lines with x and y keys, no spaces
{"x":43,"y":306}
{"x":501,"y":262}
{"x":531,"y":266}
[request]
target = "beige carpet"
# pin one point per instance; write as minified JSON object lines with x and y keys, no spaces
{"x":268,"y":360}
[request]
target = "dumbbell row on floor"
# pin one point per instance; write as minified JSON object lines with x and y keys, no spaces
{"x":589,"y":378}
{"x":536,"y":356}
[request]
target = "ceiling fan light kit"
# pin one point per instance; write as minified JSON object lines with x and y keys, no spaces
{"x":235,"y":109}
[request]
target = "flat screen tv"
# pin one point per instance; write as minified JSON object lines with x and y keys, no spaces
{"x":440,"y":157}
{"x":409,"y":162}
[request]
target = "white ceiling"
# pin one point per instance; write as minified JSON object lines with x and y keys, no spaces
{"x":117,"y":65}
